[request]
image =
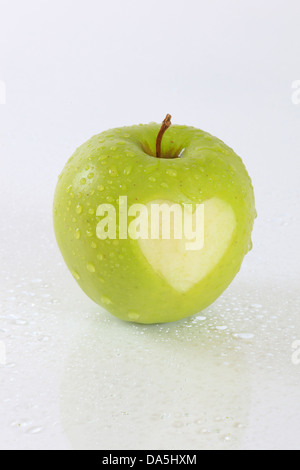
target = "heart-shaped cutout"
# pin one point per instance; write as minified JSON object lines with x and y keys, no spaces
{"x":174,"y":259}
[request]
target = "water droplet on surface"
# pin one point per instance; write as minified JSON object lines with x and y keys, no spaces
{"x":21,"y":322}
{"x":83,"y":181}
{"x":34,"y":430}
{"x":244,"y":335}
{"x":256,"y":306}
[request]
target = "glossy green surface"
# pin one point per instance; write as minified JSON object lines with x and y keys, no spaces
{"x":119,"y":162}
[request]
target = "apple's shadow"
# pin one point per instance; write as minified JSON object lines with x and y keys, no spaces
{"x":175,"y":386}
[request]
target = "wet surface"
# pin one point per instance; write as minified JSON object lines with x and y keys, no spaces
{"x":72,"y":376}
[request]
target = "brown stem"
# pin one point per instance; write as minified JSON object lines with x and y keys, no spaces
{"x":165,"y":125}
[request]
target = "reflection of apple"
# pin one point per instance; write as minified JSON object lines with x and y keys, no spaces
{"x":195,"y":399}
{"x":150,"y":281}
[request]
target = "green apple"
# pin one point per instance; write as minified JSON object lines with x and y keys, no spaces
{"x":148,"y":279}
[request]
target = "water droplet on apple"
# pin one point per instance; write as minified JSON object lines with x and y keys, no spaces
{"x":77,"y":234}
{"x":76,"y":275}
{"x":106,"y":300}
{"x":133,"y":316}
{"x":91,"y":176}
{"x":79,"y":209}
{"x":171,"y":172}
{"x":83,"y":181}
{"x":127,"y":170}
{"x":91,"y":268}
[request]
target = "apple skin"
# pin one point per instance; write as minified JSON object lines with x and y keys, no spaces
{"x":122,"y":162}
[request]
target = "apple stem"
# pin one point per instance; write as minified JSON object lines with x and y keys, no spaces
{"x":165,"y":125}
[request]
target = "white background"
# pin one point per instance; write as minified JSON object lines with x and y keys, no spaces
{"x":73,"y":376}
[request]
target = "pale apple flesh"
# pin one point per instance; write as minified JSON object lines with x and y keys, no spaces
{"x":183,"y":268}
